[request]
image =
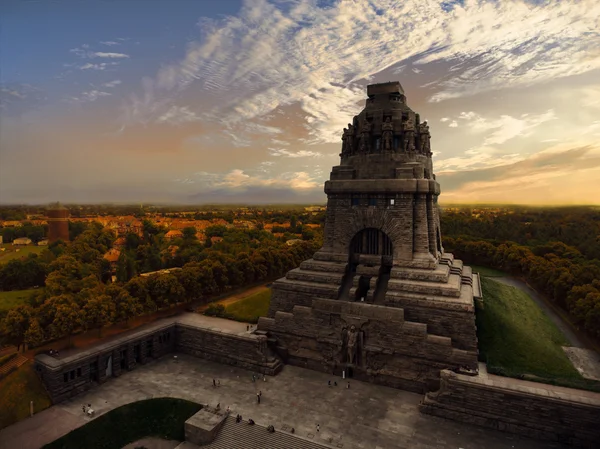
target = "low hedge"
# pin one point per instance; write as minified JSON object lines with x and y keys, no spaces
{"x":161,"y":417}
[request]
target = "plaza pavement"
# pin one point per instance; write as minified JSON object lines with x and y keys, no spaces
{"x":364,"y":416}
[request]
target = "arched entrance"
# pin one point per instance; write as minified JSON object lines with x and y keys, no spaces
{"x":373,"y":242}
{"x":367,"y":242}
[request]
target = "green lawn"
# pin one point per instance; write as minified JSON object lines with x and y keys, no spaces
{"x":162,"y":418}
{"x":16,"y":390}
{"x":516,"y":337}
{"x":11,"y":253}
{"x":251,"y":308}
{"x":488,"y":272}
{"x":9,"y":300}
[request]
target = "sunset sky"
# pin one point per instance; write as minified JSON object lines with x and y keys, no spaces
{"x":213,"y":101}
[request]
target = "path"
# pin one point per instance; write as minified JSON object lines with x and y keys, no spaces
{"x":364,"y":416}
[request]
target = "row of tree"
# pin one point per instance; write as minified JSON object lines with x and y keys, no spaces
{"x":568,"y":274}
{"x":77,"y":295}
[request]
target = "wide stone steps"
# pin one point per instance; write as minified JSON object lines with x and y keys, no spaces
{"x":14,"y":363}
{"x":440,"y":274}
{"x":451,"y":288}
{"x":313,"y":288}
{"x":324,"y":266}
{"x":243,"y":436}
{"x":319,"y":277}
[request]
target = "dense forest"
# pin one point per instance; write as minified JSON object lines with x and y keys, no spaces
{"x":77,"y":293}
{"x":556,"y":250}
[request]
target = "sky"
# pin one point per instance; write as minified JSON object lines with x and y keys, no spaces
{"x":223,"y":101}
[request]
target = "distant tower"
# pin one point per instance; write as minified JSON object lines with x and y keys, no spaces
{"x":58,"y":223}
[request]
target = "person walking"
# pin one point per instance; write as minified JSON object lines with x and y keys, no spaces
{"x":329,"y":383}
{"x":348,"y":386}
{"x":258,"y":398}
{"x":214,"y":383}
{"x":260,"y":393}
{"x":318,"y":428}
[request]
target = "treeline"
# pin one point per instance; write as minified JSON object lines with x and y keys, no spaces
{"x":555,"y":252}
{"x":34,"y":232}
{"x":77,"y":294}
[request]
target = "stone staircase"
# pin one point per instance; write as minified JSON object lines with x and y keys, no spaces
{"x":242,"y":436}
{"x":14,"y":363}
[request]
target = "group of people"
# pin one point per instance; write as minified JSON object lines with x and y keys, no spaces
{"x":335,"y":384}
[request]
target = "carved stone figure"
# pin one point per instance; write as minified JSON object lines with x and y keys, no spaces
{"x":347,"y":139}
{"x":424,"y":134}
{"x":365,"y":138}
{"x":387,"y":134}
{"x":351,"y":344}
{"x":409,"y":135}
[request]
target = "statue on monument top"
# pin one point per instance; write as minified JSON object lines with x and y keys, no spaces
{"x":425,"y":137}
{"x":347,"y":139}
{"x":365,"y":137}
{"x":409,"y":135}
{"x":387,"y":134}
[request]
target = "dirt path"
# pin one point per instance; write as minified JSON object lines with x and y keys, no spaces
{"x":235,"y":297}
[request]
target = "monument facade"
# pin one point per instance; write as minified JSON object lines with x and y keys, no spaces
{"x":380,"y":301}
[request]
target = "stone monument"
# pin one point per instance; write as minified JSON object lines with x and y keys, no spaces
{"x":380,"y":301}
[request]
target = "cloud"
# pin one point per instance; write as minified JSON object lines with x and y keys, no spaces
{"x":93,"y":95}
{"x":111,"y":84}
{"x":506,"y":127}
{"x":444,"y":119}
{"x":84,"y":53}
{"x":292,"y":154}
{"x":110,"y":43}
{"x":453,"y":124}
{"x":100,"y":66}
{"x":239,"y":180}
{"x":274,"y":55}
{"x":178,"y":115}
{"x":18,"y":98}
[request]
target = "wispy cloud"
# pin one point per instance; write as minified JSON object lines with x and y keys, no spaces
{"x":271,"y":57}
{"x":239,"y":180}
{"x":110,"y":43}
{"x":293,"y":154}
{"x":84,"y":52}
{"x":100,"y":66}
{"x":178,"y":115}
{"x":112,"y":84}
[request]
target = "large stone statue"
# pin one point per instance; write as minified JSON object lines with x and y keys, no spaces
{"x":409,"y":135}
{"x":352,"y":343}
{"x":365,"y":138}
{"x":424,"y":138}
{"x":347,"y":139}
{"x":387,"y":134}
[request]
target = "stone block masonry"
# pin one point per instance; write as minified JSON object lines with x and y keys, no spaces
{"x":539,"y":411}
{"x":79,"y":370}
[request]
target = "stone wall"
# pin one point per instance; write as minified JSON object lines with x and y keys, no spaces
{"x":245,"y":351}
{"x":79,"y":370}
{"x":534,"y":410}
{"x":392,"y":351}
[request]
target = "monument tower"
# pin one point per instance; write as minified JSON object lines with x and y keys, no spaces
{"x":380,"y":301}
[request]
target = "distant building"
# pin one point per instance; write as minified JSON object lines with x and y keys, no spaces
{"x":43,"y":242}
{"x":58,"y":223}
{"x":174,"y":234}
{"x":22,"y":241}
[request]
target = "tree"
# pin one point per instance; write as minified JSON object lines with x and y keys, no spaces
{"x":122,"y":268}
{"x":15,"y":325}
{"x":97,"y":312}
{"x":127,"y":307}
{"x":189,"y":233}
{"x":67,"y":318}
{"x":34,"y":336}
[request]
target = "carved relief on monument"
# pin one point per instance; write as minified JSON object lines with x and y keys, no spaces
{"x":424,"y":138}
{"x":365,"y":137}
{"x":409,"y":135}
{"x":352,"y":345}
{"x":387,"y":134}
{"x":348,"y":139}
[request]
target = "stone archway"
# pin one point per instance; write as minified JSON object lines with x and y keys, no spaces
{"x":372,"y":242}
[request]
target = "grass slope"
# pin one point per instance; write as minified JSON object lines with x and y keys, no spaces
{"x":16,"y":391}
{"x":12,"y":299}
{"x":488,"y":272}
{"x":251,"y":308}
{"x":162,"y":417}
{"x":516,"y":337}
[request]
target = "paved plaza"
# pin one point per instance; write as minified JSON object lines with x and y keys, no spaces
{"x":364,"y":416}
